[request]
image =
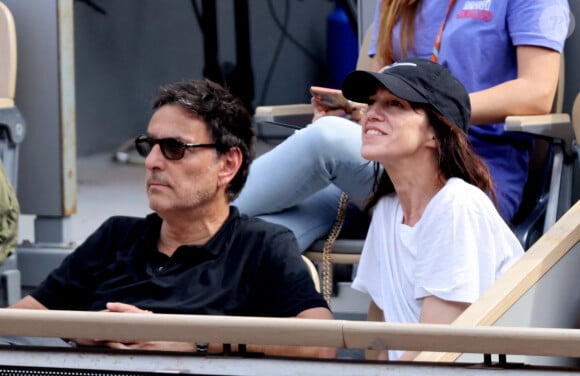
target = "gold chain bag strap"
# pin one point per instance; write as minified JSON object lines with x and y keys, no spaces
{"x":326,"y":262}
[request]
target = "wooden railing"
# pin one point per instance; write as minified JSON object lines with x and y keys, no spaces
{"x":290,"y":332}
{"x":546,"y":253}
{"x":470,"y":333}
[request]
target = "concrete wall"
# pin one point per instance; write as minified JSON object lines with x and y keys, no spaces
{"x":124,"y":55}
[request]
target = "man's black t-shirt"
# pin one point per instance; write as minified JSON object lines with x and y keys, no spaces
{"x":248,"y":268}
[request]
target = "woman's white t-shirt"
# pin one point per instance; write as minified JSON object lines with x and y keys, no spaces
{"x":459,"y":247}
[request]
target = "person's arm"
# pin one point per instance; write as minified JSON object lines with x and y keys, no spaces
{"x":436,"y":311}
{"x":287,"y":290}
{"x":376,"y":314}
{"x":531,"y":93}
{"x":301,"y":351}
{"x":298,"y":351}
{"x":28,"y":302}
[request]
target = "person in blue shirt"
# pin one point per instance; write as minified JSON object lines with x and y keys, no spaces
{"x":506,"y":53}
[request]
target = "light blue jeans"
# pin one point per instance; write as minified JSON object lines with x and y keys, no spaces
{"x":298,"y":183}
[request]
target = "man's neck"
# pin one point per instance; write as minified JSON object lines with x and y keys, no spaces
{"x":193,"y":228}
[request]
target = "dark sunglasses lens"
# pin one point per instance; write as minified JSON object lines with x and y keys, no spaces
{"x":143,"y":146}
{"x":171,"y":148}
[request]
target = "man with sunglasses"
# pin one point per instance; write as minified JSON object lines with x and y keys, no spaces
{"x":195,"y":254}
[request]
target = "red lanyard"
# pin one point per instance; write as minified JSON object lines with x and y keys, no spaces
{"x":437,"y":46}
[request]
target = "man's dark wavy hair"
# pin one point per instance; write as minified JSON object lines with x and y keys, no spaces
{"x":228,"y":122}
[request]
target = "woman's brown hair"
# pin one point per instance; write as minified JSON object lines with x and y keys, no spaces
{"x":456,"y":158}
{"x":390,"y":12}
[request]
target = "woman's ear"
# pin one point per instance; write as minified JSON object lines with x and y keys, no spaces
{"x":230,"y":163}
{"x":431,"y":138}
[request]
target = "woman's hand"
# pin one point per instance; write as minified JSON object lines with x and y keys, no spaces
{"x":320,"y":111}
{"x":355,"y":111}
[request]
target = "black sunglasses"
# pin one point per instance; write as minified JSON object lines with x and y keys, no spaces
{"x":171,"y":148}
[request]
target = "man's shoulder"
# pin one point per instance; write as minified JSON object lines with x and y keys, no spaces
{"x":121,"y":224}
{"x":268,"y":231}
{"x":127,"y":221}
{"x":263,"y":234}
{"x":253,"y":224}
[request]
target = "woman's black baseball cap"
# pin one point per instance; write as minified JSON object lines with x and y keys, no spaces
{"x":414,"y":80}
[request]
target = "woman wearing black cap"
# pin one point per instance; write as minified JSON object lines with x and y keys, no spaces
{"x":436,"y":240}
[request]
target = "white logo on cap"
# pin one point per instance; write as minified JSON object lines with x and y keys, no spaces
{"x":383,"y":69}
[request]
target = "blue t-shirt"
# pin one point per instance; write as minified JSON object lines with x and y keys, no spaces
{"x":478,"y":47}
